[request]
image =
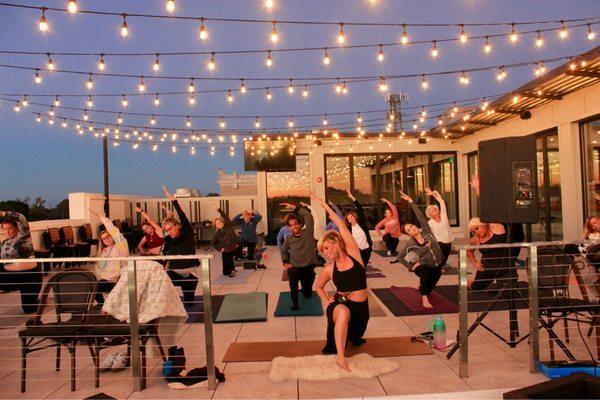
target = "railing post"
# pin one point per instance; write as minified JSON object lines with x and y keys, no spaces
{"x":136,"y":364}
{"x":534,"y":333}
{"x":208,"y":324}
{"x":463,"y":317}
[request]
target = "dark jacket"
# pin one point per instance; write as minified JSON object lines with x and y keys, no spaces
{"x":225,"y":238}
{"x":183,"y":244}
{"x":248,"y":232}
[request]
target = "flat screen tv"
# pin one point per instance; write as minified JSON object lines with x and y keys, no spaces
{"x":272,"y":156}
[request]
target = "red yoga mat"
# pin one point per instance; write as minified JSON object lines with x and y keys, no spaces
{"x":412,"y":298}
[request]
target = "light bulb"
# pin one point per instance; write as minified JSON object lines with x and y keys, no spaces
{"x":501,"y":74}
{"x":305,"y":91}
{"x":211,"y":63}
{"x":222,"y":123}
{"x":119,"y":119}
{"x":51,"y":112}
{"x":359,"y":119}
{"x":269,"y":95}
{"x":203,"y":31}
{"x":487,"y":46}
{"x":341,"y":38}
{"x":188,"y":122}
{"x":229,"y":96}
{"x":383,"y":87}
{"x":291,"y":87}
{"x":274,"y":34}
{"x":564,"y":32}
{"x":325,"y":121}
{"x":101,"y":64}
{"x":90,"y":102}
{"x":43,"y":24}
{"x":156,"y":100}
{"x":269,"y":4}
{"x":464,"y":79}
{"x":514,"y":36}
{"x":142,"y":85}
{"x":156,"y":65}
{"x":380,"y":55}
{"x":291,"y":122}
{"x":191,"y":88}
{"x":50,"y":65}
{"x":424,"y":83}
{"x":269,"y":61}
{"x":539,"y":41}
{"x":192,"y":99}
{"x":243,"y":87}
{"x":124,"y":27}
{"x":463,"y":35}
{"x":344,"y":88}
{"x":90,"y":83}
{"x":170,"y":6}
{"x":591,"y":35}
{"x":72,"y":6}
{"x":64,"y":123}
{"x":326,"y":59}
{"x":404,"y":37}
{"x":257,"y":123}
{"x":338,"y":87}
{"x":17,"y":107}
{"x":434,"y":50}
{"x":124,"y":101}
{"x":85,"y":115}
{"x":37,"y":78}
{"x":56,"y":101}
{"x":153,"y":120}
{"x":25,"y":101}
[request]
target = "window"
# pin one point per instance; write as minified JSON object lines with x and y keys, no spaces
{"x":473,"y":170}
{"x":590,"y":145}
{"x":373,"y":176}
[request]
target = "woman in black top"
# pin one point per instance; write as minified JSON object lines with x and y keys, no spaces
{"x":179,"y":241}
{"x":226,"y":241}
{"x":348,"y":308}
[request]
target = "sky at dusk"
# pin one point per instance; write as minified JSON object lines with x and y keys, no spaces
{"x":41,"y":160}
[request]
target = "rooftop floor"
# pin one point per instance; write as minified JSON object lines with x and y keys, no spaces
{"x":493,"y":366}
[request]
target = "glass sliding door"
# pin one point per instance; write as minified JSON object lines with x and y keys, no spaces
{"x":590,"y":159}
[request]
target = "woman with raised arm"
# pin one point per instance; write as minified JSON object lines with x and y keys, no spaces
{"x":422,"y":253}
{"x":357,"y":222}
{"x":440,"y":224}
{"x":348,"y":308}
{"x":225,"y":241}
{"x":389,"y":228}
{"x":151,"y":243}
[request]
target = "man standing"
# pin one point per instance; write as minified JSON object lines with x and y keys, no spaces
{"x":299,"y":252}
{"x":25,"y":277}
{"x":248,"y":220}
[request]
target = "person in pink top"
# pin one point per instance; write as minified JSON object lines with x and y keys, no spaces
{"x":389,"y":228}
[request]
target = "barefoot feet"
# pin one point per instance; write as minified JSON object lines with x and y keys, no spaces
{"x":341,"y":362}
{"x":426,"y":302}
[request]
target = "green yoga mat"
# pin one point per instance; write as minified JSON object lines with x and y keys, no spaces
{"x":307,"y":307}
{"x":245,"y":307}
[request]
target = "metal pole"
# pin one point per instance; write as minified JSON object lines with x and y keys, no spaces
{"x":208,"y":324}
{"x":136,"y":362}
{"x":534,"y":333}
{"x":463,"y":317}
{"x":106,"y":189}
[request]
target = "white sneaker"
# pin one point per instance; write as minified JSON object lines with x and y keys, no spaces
{"x":120,"y":362}
{"x":389,"y":253}
{"x":108,"y":362}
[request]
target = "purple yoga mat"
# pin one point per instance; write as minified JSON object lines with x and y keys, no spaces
{"x":375,"y":275}
{"x":412,"y":298}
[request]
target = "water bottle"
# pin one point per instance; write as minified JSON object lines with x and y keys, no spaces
{"x":439,"y":333}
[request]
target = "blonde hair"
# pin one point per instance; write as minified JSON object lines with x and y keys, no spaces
{"x":333,"y":237}
{"x":475,"y":222}
{"x":171,"y":220}
{"x":429,"y":208}
{"x":589,"y":228}
{"x":101,"y":245}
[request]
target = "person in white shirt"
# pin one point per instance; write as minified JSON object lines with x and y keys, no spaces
{"x":439,"y":224}
{"x":357,"y":223}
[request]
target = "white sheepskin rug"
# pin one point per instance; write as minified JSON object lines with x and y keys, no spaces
{"x":324,"y":368}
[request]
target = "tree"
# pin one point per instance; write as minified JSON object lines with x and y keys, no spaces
{"x":15,"y":205}
{"x":62,"y":209}
{"x":212,"y":194}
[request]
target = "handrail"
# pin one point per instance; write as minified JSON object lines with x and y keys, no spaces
{"x":522,"y":244}
{"x":94,"y":259}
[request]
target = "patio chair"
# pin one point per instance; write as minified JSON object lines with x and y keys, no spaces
{"x":87,"y":236}
{"x":73,"y":293}
{"x":82,"y":249}
{"x":555,"y":301}
{"x":55,"y":245}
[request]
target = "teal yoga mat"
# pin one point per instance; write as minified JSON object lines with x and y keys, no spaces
{"x":244,"y":307}
{"x":308,"y":307}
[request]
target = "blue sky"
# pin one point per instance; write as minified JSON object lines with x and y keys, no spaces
{"x":39,"y":160}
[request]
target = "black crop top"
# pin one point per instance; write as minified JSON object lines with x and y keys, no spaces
{"x":351,"y":279}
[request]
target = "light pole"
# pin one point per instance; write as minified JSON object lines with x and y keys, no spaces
{"x":106,"y":189}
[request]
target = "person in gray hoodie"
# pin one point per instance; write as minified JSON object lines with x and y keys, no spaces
{"x":422,"y":253}
{"x":299,"y":251}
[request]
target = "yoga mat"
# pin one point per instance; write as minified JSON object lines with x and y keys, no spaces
{"x":376,"y":347}
{"x":412,"y":298}
{"x":284,"y":276}
{"x":308,"y":307}
{"x":245,"y":307}
{"x":447,"y":270}
{"x":479,"y":301}
{"x":375,"y":275}
{"x":196,"y":311}
{"x":241,"y":277}
{"x":371,"y":268}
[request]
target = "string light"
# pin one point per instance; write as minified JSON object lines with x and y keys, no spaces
{"x":90,"y":102}
{"x":188,"y":122}
{"x":359,"y":119}
{"x":222,"y":123}
{"x":124,"y":101}
{"x":17,"y":106}
{"x":51,"y":112}
{"x":153,"y":120}
{"x":142,"y":86}
{"x":37,"y":77}
{"x":257,"y":123}
{"x":90,"y":83}
{"x":72,"y":6}
{"x":424,"y":83}
{"x":191,"y":88}
{"x":326,"y":59}
{"x":291,"y":87}
{"x":269,"y":61}
{"x":192,"y":99}
{"x":539,"y":41}
{"x":305,"y":92}
{"x":56,"y":101}
{"x":269,"y":4}
{"x":269,"y":95}
{"x":50,"y":65}
{"x":43,"y":23}
{"x":229,"y":96}
{"x":487,"y":46}
{"x":338,"y":86}
{"x":434,"y":50}
{"x":325,"y":121}
{"x":170,"y":6}
{"x":124,"y":27}
{"x":25,"y":101}
{"x":64,"y":123}
{"x":341,"y":38}
{"x":564,"y":32}
{"x":119,"y":119}
{"x":380,"y":55}
{"x":344,"y":88}
{"x":156,"y":65}
{"x":404,"y":37}
{"x":463,"y":35}
{"x":514,"y":36}
{"x":203,"y":32}
{"x":274,"y":34}
{"x":156,"y":100}
{"x":591,"y":35}
{"x":540,"y":69}
{"x":101,"y":64}
{"x":383,"y":86}
{"x":501,"y":74}
{"x":211,"y":62}
{"x":291,"y":121}
{"x":243,"y":87}
{"x":85,"y":115}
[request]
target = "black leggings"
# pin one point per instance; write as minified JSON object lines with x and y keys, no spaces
{"x":391,"y":243}
{"x":228,"y":258}
{"x":29,"y":283}
{"x":428,"y":278}
{"x":306,"y":275}
{"x":359,"y":318}
{"x":365,"y":255}
{"x":104,"y":286}
{"x":251,"y":246}
{"x":446,"y":249}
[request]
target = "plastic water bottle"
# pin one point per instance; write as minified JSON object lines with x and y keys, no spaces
{"x":439,"y":333}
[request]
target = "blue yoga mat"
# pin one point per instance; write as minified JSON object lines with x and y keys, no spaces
{"x":308,"y":307}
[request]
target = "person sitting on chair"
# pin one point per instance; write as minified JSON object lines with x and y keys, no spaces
{"x":348,"y":309}
{"x":440,"y":224}
{"x":390,"y":224}
{"x":357,"y":223}
{"x":422,"y":254}
{"x":151,"y":243}
{"x":26,"y":277}
{"x":248,"y":220}
{"x":226,"y":241}
{"x":299,"y":252}
{"x":179,"y":241}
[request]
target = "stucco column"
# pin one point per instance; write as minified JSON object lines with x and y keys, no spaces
{"x":570,"y":181}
